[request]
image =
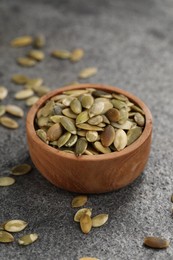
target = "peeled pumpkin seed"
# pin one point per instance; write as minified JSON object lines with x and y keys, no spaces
{"x":8,"y":122}
{"x":81,"y":212}
{"x":123,"y":116}
{"x":101,"y":93}
{"x":67,"y":100}
{"x":14,"y":110}
{"x":26,"y":62}
{"x":139,"y":119}
{"x":137,"y":109}
{"x":39,"y":41}
{"x":76,"y":106}
{"x":27,"y":239}
{"x":118,"y":103}
{"x":96,"y":109}
{"x":5,"y":237}
{"x":99,"y":220}
{"x":113,"y":115}
{"x":120,"y":97}
{"x":41,"y":90}
{"x":43,"y":121}
{"x":77,"y":55}
{"x":87,"y":101}
{"x":31,"y":100}
{"x":79,"y":201}
{"x":34,"y":83}
{"x":3,"y":92}
{"x":89,"y":127}
{"x":95,"y":120}
{"x":21,"y":169}
{"x":68,"y":124}
{"x":99,"y":147}
{"x":54,"y":132}
{"x":22,"y":41}
{"x":61,"y":54}
{"x":2,"y":110}
{"x":120,"y":140}
{"x":6,"y":181}
{"x":107,"y":136}
{"x":42,"y":135}
{"x":88,"y":72}
{"x":156,"y":242}
{"x":90,"y":151}
{"x":63,"y":139}
{"x":24,"y":94}
{"x":56,"y":118}
{"x":16,"y":225}
{"x":76,"y":92}
{"x":133,"y":134}
{"x":126,"y":126}
{"x":82,"y":117}
{"x":81,"y":146}
{"x":71,"y":141}
{"x":19,"y":79}
{"x":85,"y":223}
{"x":36,"y":55}
{"x":91,"y":136}
{"x":81,"y":133}
{"x":47,"y":109}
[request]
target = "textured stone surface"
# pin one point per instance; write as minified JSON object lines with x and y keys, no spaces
{"x":131,"y":43}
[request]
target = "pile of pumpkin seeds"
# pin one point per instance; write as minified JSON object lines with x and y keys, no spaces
{"x":83,"y":215}
{"x":89,"y":121}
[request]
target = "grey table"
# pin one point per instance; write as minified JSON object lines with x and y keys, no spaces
{"x":131,"y":43}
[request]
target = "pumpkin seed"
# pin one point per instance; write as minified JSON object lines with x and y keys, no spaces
{"x":101,"y":93}
{"x":87,"y":101}
{"x":15,"y":225}
{"x":26,"y":62}
{"x":85,"y":223}
{"x":3,"y":92}
{"x":6,"y":181}
{"x":27,"y":239}
{"x":34,"y":83}
{"x":43,"y":121}
{"x":36,"y":55}
{"x":39,"y":41}
{"x":118,"y":104}
{"x":2,"y":110}
{"x":68,"y":125}
{"x":31,"y":100}
{"x":56,"y":118}
{"x":5,"y":237}
{"x":22,"y":41}
{"x":81,"y":133}
{"x":14,"y":110}
{"x":120,"y":97}
{"x":67,"y":100}
{"x":88,"y":72}
{"x":99,"y":147}
{"x":99,"y":220}
{"x":76,"y":92}
{"x":107,"y":136}
{"x":133,"y":134}
{"x":113,"y":115}
{"x":47,"y":109}
{"x":137,"y":109}
{"x":96,"y":109}
{"x":21,"y":169}
{"x":71,"y":141}
{"x":91,"y":136}
{"x":139,"y":119}
{"x":95,"y":120}
{"x":120,"y":140}
{"x":61,"y":54}
{"x":90,"y":151}
{"x":79,"y":201}
{"x":41,"y":90}
{"x":81,"y":212}
{"x":81,"y":146}
{"x":54,"y":132}
{"x":63,"y":139}
{"x":77,"y":55}
{"x":126,"y":126}
{"x":123,"y":116}
{"x":105,"y":119}
{"x":82,"y":117}
{"x":76,"y":106}
{"x":88,"y":127}
{"x":42,"y":135}
{"x":156,"y":242}
{"x":8,"y":122}
{"x":24,"y":94}
{"x":19,"y":79}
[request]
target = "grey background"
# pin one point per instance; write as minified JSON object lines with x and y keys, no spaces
{"x":131,"y":43}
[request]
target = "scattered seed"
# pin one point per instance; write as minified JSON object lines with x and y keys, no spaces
{"x":156,"y":242}
{"x":61,"y":54}
{"x":6,"y":181}
{"x":22,"y":41}
{"x":77,"y":55}
{"x":88,"y":72}
{"x":24,"y":94}
{"x":26,"y":62}
{"x":14,"y":110}
{"x":99,"y":220}
{"x":79,"y":201}
{"x":81,"y":212}
{"x":85,"y":223}
{"x":36,"y":55}
{"x":19,"y":79}
{"x":8,"y":122}
{"x":2,"y":110}
{"x":39,"y":41}
{"x":31,"y":100}
{"x":3,"y":92}
{"x":16,"y":225}
{"x":21,"y":169}
{"x":27,"y":239}
{"x":5,"y":237}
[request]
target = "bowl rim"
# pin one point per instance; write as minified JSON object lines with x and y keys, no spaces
{"x":126,"y":151}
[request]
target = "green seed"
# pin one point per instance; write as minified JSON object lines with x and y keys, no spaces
{"x":120,"y":140}
{"x":61,"y":54}
{"x":19,"y":79}
{"x":15,"y":110}
{"x":21,"y":169}
{"x":71,"y":141}
{"x":26,"y":62}
{"x":22,"y":41}
{"x":68,"y":124}
{"x":63,"y":139}
{"x":42,"y":135}
{"x":24,"y":94}
{"x":27,"y":239}
{"x":88,"y":72}
{"x":16,"y":225}
{"x":77,"y":55}
{"x":6,"y":181}
{"x":39,"y":41}
{"x":99,"y":147}
{"x":3,"y":92}
{"x":81,"y":146}
{"x":133,"y":134}
{"x":99,"y":220}
{"x":8,"y":122}
{"x":36,"y":55}
{"x":2,"y":110}
{"x":79,"y":201}
{"x":5,"y":237}
{"x":82,"y":117}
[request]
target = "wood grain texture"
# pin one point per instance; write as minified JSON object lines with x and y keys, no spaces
{"x":87,"y":173}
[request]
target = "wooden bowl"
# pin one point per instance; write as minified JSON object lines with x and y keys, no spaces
{"x":89,"y":173}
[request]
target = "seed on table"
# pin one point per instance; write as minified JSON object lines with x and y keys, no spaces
{"x":2,"y":110}
{"x":133,"y":134}
{"x":8,"y":122}
{"x":15,"y":225}
{"x":79,"y":201}
{"x":26,"y":62}
{"x":3,"y":92}
{"x":99,"y":220}
{"x":39,"y":41}
{"x":34,"y":83}
{"x":63,"y":139}
{"x":22,"y":41}
{"x":139,"y":119}
{"x":107,"y":136}
{"x":6,"y":237}
{"x":81,"y":212}
{"x":68,"y":124}
{"x":82,"y":117}
{"x":31,"y":100}
{"x":24,"y":94}
{"x":87,"y":101}
{"x":120,"y":140}
{"x":19,"y":79}
{"x":77,"y":55}
{"x":21,"y":169}
{"x":6,"y":181}
{"x":88,"y":72}
{"x":156,"y":242}
{"x":14,"y":110}
{"x":54,"y":132}
{"x":113,"y":115}
{"x":81,"y":146}
{"x":76,"y":106}
{"x":61,"y":54}
{"x":85,"y":223}
{"x":91,"y":136}
{"x":99,"y":147}
{"x":41,"y":90}
{"x":36,"y":55}
{"x":27,"y":239}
